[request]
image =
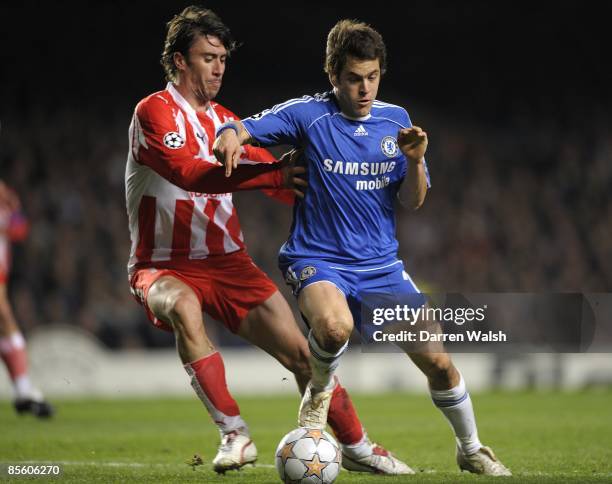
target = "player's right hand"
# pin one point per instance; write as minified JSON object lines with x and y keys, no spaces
{"x":292,"y":174}
{"x":227,"y":150}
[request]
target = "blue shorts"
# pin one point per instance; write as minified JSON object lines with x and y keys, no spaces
{"x":381,"y":285}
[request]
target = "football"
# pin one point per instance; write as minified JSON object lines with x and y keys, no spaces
{"x":308,"y":456}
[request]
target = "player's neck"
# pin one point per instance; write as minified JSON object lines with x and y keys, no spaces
{"x":198,"y":104}
{"x":346,"y":110}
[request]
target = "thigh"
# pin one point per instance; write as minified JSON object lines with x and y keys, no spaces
{"x":151,"y":288}
{"x":238,"y":287}
{"x":320,"y":290}
{"x":322,"y":298}
{"x":272,"y":327}
{"x":323,"y":302}
{"x":169,"y":288}
{"x":328,"y":314}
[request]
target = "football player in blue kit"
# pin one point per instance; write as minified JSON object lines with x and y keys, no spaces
{"x":362,"y":155}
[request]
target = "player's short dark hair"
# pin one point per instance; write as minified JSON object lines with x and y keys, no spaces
{"x":184,"y":29}
{"x":351,"y":38}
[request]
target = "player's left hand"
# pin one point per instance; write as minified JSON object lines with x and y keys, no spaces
{"x":413,"y":143}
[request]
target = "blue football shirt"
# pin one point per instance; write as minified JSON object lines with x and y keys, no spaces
{"x":355,"y":168}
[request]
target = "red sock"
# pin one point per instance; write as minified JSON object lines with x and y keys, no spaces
{"x":13,"y":353}
{"x":342,"y":417}
{"x":208,"y":380}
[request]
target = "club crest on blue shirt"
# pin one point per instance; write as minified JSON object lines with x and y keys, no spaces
{"x":173,"y":140}
{"x":307,"y":273}
{"x":389,"y":146}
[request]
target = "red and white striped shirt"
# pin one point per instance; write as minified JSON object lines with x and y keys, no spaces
{"x":179,"y":201}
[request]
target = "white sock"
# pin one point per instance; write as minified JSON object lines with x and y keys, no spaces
{"x":456,"y":406}
{"x":23,"y":388}
{"x":12,"y":351}
{"x":323,"y":364}
{"x":358,"y":450}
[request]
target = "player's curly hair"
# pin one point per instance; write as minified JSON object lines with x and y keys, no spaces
{"x":183,"y":30}
{"x":355,"y":39}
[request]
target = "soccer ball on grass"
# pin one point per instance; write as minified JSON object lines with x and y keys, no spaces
{"x":308,"y":456}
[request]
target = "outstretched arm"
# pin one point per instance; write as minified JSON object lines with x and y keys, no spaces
{"x":413,"y":143}
{"x":153,"y":123}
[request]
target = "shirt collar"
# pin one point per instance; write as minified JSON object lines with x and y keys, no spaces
{"x":183,"y":104}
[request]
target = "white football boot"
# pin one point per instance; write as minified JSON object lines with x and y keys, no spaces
{"x":482,"y":462}
{"x":236,"y":450}
{"x":380,"y":461}
{"x":314,"y":408}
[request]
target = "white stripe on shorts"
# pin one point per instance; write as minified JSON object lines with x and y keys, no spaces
{"x":366,"y":270}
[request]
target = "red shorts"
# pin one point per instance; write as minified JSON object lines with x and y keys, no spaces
{"x":228,"y":286}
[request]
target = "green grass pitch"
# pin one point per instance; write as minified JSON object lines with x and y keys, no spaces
{"x":542,"y":437}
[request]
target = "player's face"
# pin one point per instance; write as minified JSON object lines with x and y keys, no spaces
{"x":357,"y":86}
{"x":204,"y":67}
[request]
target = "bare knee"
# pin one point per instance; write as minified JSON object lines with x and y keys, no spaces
{"x":331,"y":331}
{"x":173,"y":303}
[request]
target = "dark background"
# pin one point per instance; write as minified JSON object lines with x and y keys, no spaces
{"x":479,"y":59}
{"x":515,"y":98}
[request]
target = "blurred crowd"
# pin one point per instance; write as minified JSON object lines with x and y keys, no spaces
{"x":518,"y":204}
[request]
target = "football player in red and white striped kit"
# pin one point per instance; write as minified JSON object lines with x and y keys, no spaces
{"x":14,"y":227}
{"x":188,"y":253}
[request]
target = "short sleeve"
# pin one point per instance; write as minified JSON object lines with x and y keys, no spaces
{"x":282,"y":124}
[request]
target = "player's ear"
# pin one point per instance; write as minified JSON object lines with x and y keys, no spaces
{"x":179,"y":61}
{"x":333,"y":79}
